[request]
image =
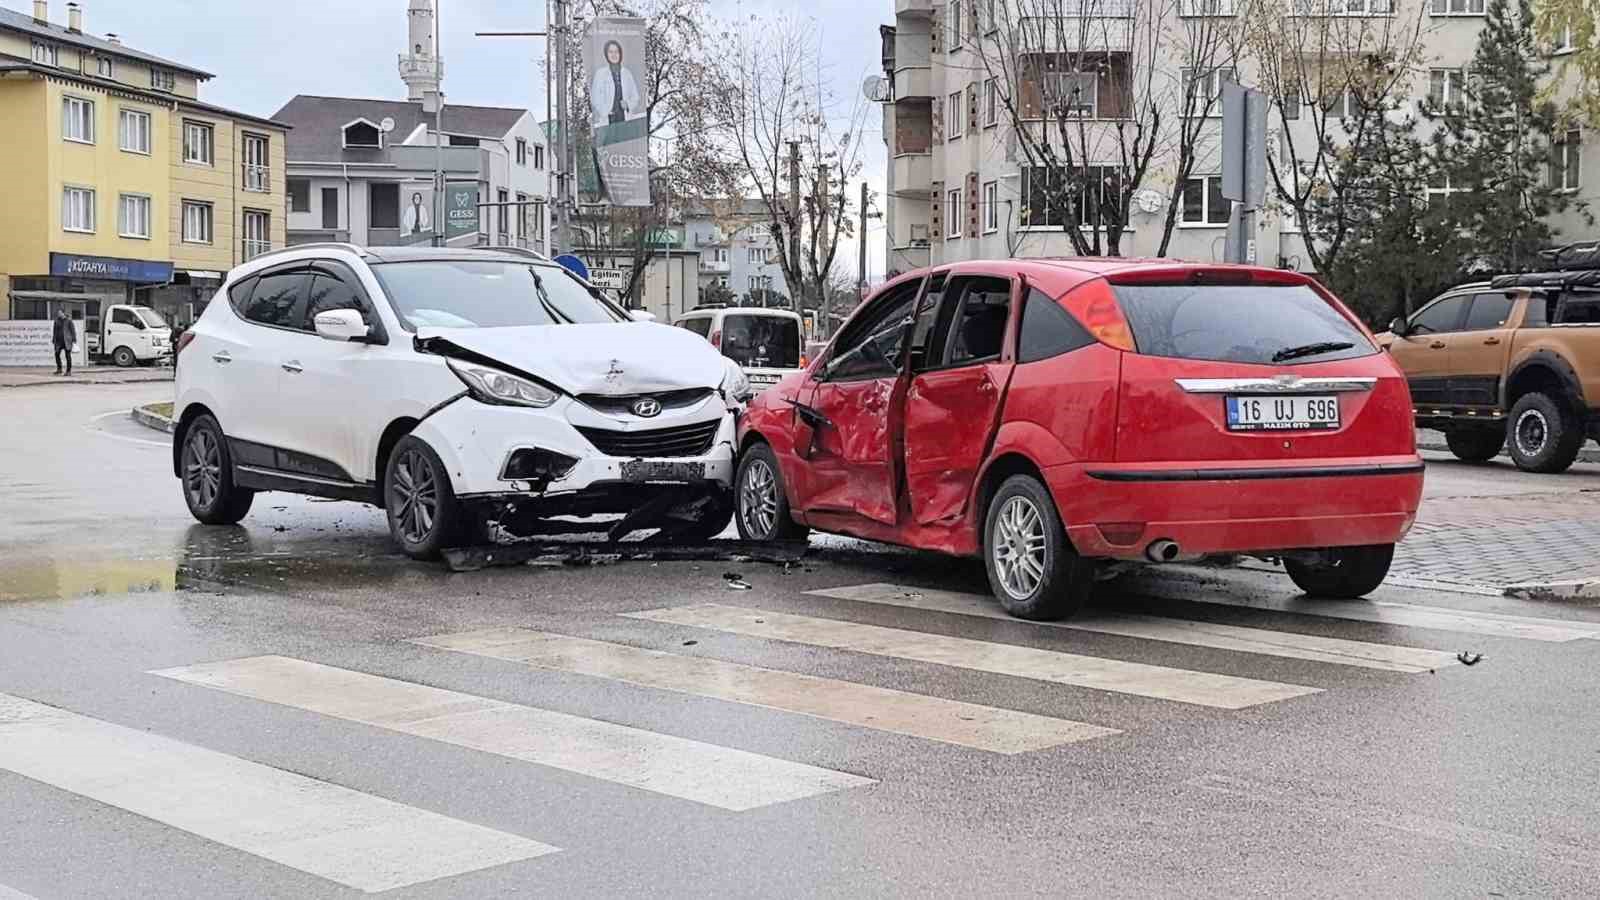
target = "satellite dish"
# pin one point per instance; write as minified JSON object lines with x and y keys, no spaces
{"x":877,"y":88}
{"x":387,"y":124}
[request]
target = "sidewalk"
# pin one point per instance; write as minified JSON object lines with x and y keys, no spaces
{"x":27,"y":377}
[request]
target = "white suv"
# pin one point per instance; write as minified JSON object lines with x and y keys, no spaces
{"x":453,"y":388}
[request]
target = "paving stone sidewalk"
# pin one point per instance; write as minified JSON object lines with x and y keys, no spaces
{"x":1497,"y":541}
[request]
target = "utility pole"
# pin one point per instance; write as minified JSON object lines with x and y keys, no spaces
{"x":861,"y":244}
{"x":566,"y":180}
{"x":798,"y":290}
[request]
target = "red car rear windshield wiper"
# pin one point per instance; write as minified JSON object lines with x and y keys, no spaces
{"x":1289,"y":353}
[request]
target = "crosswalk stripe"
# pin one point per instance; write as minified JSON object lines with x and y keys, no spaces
{"x":9,"y":894}
{"x":1160,"y":682}
{"x":678,"y":767}
{"x":1483,"y":624}
{"x":1174,"y":631}
{"x":950,"y":721}
{"x":334,"y":832}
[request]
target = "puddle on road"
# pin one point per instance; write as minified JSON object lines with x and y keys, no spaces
{"x":49,"y":579}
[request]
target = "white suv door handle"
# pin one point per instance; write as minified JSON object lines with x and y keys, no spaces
{"x":293,"y":366}
{"x":221,"y":356}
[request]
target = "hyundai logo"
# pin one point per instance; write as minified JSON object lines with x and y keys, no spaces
{"x":647,"y":407}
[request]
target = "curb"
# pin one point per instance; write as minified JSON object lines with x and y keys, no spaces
{"x":152,"y":419}
{"x":1586,"y":455}
{"x":1557,"y":591}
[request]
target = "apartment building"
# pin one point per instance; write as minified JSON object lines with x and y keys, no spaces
{"x":99,"y":172}
{"x":736,"y":247}
{"x":960,"y":186}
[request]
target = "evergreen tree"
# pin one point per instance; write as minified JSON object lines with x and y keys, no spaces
{"x":1493,"y":146}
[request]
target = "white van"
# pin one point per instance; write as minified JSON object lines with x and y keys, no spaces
{"x":767,"y":343}
{"x":130,"y":336}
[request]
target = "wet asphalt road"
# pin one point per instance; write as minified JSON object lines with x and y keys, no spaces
{"x":1462,"y":781}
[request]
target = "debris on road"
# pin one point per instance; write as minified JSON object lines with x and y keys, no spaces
{"x":1469,"y":659}
{"x":471,"y":559}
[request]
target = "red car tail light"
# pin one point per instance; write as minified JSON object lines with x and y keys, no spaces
{"x":1095,"y":305}
{"x":183,"y":341}
{"x":1207,"y":275}
{"x":716,"y":339}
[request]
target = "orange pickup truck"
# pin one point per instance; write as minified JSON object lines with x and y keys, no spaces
{"x":1511,"y":362}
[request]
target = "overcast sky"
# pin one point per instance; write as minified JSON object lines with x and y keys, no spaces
{"x":265,"y":51}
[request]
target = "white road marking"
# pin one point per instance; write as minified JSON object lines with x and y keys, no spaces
{"x":9,"y":894}
{"x":678,"y":767}
{"x":1406,"y":615}
{"x":1160,"y":682}
{"x":950,"y":721}
{"x":334,"y":832}
{"x":95,"y":429}
{"x":1173,"y":631}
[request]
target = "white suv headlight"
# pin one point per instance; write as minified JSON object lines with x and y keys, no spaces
{"x":735,"y":384}
{"x":494,"y":386}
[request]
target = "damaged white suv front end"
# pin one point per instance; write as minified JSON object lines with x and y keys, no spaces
{"x":462,"y":391}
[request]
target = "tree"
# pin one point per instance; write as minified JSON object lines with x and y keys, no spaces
{"x":717,"y":292}
{"x":785,"y":125}
{"x":1087,"y":121}
{"x":1332,"y":78}
{"x":1569,"y":26}
{"x":1493,"y":149}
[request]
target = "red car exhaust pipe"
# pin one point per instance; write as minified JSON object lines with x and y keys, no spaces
{"x":1162,"y":551}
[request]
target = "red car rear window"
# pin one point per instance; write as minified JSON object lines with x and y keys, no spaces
{"x":1244,"y":323}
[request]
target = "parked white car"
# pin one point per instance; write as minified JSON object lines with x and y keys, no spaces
{"x":453,"y":388}
{"x":767,"y":343}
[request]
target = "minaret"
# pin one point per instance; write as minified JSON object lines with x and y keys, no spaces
{"x":420,"y":68}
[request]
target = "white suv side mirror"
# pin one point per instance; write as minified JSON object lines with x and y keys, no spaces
{"x":641,"y":315}
{"x":341,"y":325}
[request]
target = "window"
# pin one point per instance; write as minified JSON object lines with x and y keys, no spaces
{"x":457,"y":140}
{"x":1457,"y":7}
{"x":77,"y":120}
{"x":257,"y":233}
{"x":77,"y":209}
{"x":488,"y":294}
{"x":277,"y":299}
{"x":1091,"y":85}
{"x":700,"y":325}
{"x":1202,"y":8}
{"x":760,"y":282}
{"x":133,"y":217}
{"x":257,"y":169}
{"x":522,"y":215}
{"x":1204,"y":90}
{"x":719,"y":254}
{"x":758,"y":256}
{"x":1439,"y":187}
{"x":991,"y":207}
{"x":991,"y":24}
{"x":197,"y":222}
{"x":502,"y":212}
{"x":953,"y":24}
{"x":44,"y":54}
{"x":1578,"y":309}
{"x":522,"y":151}
{"x":538,"y":156}
{"x":1244,"y":323}
{"x":1343,"y":7}
{"x":1443,"y":316}
{"x":1565,"y":161}
{"x":953,"y":214}
{"x":299,"y":195}
{"x":383,"y":204}
{"x":1055,"y":197}
{"x":1341,"y":105}
{"x":536,"y":216}
{"x":1445,"y":86}
{"x":199,"y":145}
{"x":124,"y":317}
{"x":871,"y":346}
{"x":133,"y":130}
{"x":162,"y":79}
{"x":981,"y":327}
{"x":363,"y":135}
{"x":1203,"y":203}
{"x":991,"y":103}
{"x":1489,"y":311}
{"x":1564,"y":43}
{"x":1048,"y":330}
{"x":328,"y":293}
{"x":330,"y":208}
{"x":953,"y":117}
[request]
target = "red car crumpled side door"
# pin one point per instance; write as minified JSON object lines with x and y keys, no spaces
{"x":953,"y":404}
{"x":852,"y":467}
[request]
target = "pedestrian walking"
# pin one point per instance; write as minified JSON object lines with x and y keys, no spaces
{"x":64,"y":338}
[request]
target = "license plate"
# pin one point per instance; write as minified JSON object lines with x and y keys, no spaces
{"x":1290,"y":413}
{"x":657,"y":471}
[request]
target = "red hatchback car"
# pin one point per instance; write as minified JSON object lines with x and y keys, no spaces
{"x":1052,"y":413}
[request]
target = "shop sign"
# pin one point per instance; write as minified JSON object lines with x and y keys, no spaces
{"x":110,"y":268}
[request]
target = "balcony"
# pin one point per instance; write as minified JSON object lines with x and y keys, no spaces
{"x":1104,"y":26}
{"x":904,"y":259}
{"x":258,"y":179}
{"x":917,"y":8}
{"x":913,"y":82}
{"x":251,"y":249}
{"x":913,"y":174}
{"x":715,"y":266}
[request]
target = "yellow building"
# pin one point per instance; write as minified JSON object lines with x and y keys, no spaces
{"x":120,"y":184}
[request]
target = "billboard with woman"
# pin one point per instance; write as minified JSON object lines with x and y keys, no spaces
{"x":619,"y":109}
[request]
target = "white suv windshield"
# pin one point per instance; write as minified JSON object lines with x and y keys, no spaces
{"x":488,"y":294}
{"x":152,"y":318}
